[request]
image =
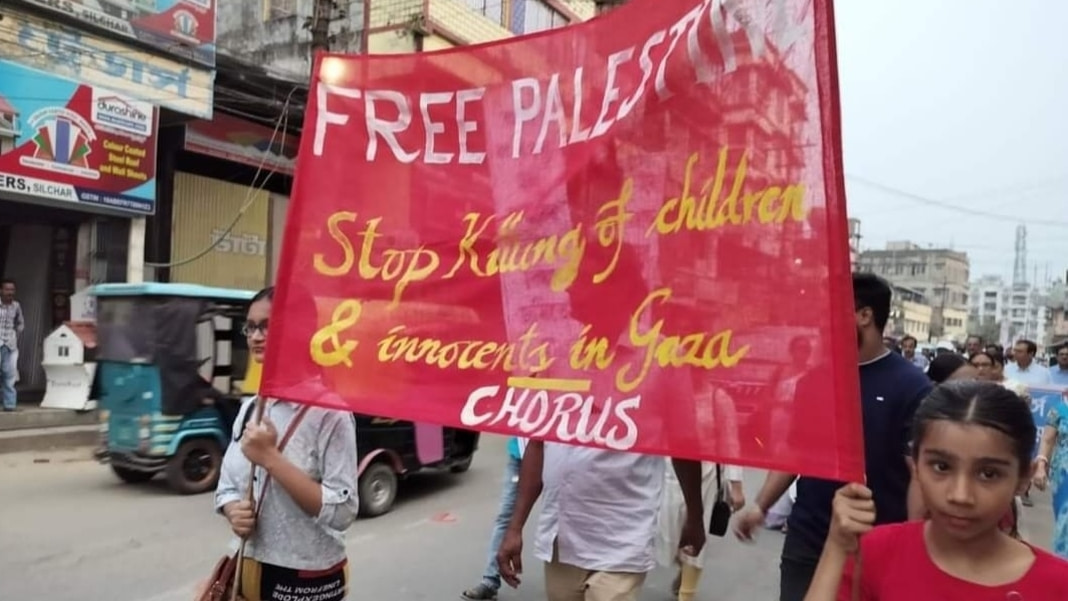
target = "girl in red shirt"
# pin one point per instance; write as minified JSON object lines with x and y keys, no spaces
{"x":972,"y":445}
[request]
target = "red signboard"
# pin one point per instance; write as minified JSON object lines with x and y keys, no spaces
{"x":241,"y":141}
{"x":628,"y":234}
{"x":70,"y":143}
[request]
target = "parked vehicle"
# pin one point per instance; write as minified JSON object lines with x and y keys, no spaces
{"x":171,"y":360}
{"x":390,"y":449}
{"x":172,"y":369}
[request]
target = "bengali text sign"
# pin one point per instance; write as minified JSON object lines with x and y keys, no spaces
{"x":1042,"y":400}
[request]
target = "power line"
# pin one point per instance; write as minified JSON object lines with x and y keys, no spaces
{"x":952,"y":207}
{"x":250,"y":197}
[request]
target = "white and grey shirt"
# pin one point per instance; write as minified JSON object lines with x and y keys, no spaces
{"x":12,"y":323}
{"x":324,"y":446}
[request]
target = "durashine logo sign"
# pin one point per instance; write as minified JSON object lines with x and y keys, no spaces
{"x":115,"y":112}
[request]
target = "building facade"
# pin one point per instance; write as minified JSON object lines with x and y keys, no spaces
{"x":940,"y":275}
{"x":986,"y":303}
{"x":133,"y":147}
{"x":85,"y":91}
{"x":1025,"y":314}
{"x":910,"y":315}
{"x":1057,"y":311}
{"x":225,"y":181}
{"x":1006,"y":312}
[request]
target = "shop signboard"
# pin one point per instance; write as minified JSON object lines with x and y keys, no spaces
{"x":81,"y":57}
{"x":181,"y":27}
{"x":244,"y":142}
{"x":69,"y":143}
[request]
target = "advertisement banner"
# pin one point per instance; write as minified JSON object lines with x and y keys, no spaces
{"x":181,"y":27}
{"x":75,"y":144}
{"x":1042,"y":400}
{"x":242,"y":141}
{"x":629,"y":234}
{"x":72,"y":54}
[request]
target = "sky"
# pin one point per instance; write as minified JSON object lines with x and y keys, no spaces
{"x":964,"y":103}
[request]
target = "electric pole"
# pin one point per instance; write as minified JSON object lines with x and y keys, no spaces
{"x":324,"y":13}
{"x":604,"y":6}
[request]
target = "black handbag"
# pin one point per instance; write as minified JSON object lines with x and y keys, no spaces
{"x":721,"y":509}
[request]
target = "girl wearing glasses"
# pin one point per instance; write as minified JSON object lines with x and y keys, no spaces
{"x":302,"y":462}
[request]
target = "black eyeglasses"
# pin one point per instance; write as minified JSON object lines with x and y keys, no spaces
{"x":251,"y":328}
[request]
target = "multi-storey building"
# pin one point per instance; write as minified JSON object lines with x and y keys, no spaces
{"x":1057,"y":313}
{"x":910,"y":315}
{"x":1007,"y":312}
{"x":939,"y":274}
{"x":1025,"y":314}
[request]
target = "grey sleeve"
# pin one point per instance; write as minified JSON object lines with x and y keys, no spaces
{"x":231,"y":480}
{"x":337,"y":448}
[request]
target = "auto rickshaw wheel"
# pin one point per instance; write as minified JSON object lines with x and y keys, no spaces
{"x":195,"y":467}
{"x":130,"y":476}
{"x":463,"y":465}
{"x":378,"y":489}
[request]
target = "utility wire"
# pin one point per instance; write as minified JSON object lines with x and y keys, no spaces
{"x":952,"y":207}
{"x":250,"y":198}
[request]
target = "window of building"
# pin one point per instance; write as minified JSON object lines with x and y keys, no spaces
{"x":279,"y":9}
{"x":539,"y":16}
{"x":491,"y":9}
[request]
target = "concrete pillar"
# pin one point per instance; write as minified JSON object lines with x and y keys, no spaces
{"x":84,"y":257}
{"x":135,"y":254}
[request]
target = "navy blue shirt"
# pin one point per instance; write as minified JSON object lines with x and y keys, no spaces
{"x":891,"y":388}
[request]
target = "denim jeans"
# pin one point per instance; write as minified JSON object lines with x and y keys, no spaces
{"x":492,"y":576}
{"x":7,"y":377}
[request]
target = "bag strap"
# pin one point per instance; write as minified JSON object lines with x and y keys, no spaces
{"x":244,"y":415}
{"x":290,"y":430}
{"x":719,"y":483}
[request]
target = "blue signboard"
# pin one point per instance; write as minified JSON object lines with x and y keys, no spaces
{"x":1042,"y":400}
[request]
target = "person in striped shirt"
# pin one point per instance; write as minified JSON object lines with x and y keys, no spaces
{"x":11,"y":325}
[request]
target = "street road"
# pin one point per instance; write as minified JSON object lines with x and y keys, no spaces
{"x":69,"y":531}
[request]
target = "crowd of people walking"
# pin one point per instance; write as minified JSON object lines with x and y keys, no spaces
{"x":950,"y":446}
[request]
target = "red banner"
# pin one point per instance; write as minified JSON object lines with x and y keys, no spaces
{"x":627,"y":234}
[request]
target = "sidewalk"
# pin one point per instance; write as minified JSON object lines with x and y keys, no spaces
{"x":35,"y":429}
